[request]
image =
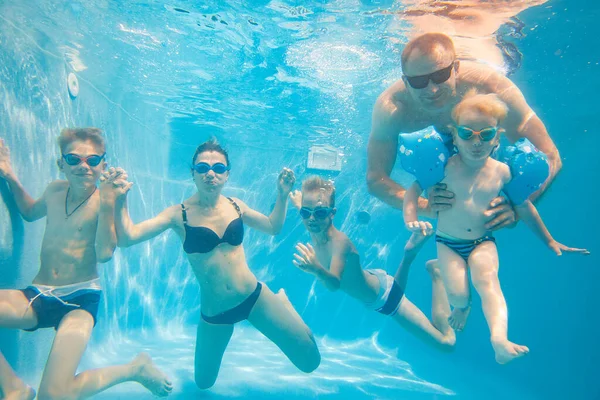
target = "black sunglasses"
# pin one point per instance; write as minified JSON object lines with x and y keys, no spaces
{"x":437,"y":77}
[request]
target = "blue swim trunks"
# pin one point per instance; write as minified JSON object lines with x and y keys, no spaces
{"x":52,"y":303}
{"x":463,"y":247}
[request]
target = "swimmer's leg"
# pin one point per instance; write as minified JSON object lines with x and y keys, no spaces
{"x":440,"y":307}
{"x":11,"y":387}
{"x":453,"y":270}
{"x":275,"y":317}
{"x":60,"y":381}
{"x":483,"y":263}
{"x":411,"y":318}
{"x":14,"y":313}
{"x":211,"y":342}
{"x":411,"y":250}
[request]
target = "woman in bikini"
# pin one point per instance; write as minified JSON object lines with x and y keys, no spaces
{"x":211,"y":229}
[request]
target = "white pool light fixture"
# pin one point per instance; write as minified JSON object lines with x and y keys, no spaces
{"x":73,"y":85}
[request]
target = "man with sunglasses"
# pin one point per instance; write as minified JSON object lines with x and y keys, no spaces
{"x":434,"y":81}
{"x":66,"y":292}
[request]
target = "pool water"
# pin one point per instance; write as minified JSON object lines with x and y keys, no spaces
{"x":270,"y":79}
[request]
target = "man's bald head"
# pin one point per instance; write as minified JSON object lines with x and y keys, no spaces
{"x":428,"y":43}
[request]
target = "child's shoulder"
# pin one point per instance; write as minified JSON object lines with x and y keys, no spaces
{"x":499,"y":166}
{"x":453,"y":160}
{"x":57,"y":186}
{"x":343,"y":243}
{"x":499,"y":171}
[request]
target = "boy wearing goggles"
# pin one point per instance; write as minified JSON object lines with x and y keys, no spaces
{"x":65,"y":294}
{"x":464,"y":242}
{"x":335,"y":262}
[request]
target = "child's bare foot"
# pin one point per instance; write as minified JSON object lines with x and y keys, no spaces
{"x":19,"y":391}
{"x":151,"y":377}
{"x":458,"y":318}
{"x":507,"y":351}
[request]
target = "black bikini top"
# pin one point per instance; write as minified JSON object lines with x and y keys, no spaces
{"x":200,"y":239}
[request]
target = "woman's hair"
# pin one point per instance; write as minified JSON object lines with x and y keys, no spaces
{"x":211,"y":145}
{"x":488,"y":104}
{"x":70,"y":135}
{"x":316,"y":183}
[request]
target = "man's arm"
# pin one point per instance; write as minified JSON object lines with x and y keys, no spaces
{"x":381,"y":157}
{"x":381,"y":154}
{"x":536,"y":132}
{"x":522,"y":122}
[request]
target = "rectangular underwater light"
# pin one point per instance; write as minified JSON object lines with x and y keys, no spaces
{"x":324,"y":158}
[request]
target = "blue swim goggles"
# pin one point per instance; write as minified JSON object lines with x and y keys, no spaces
{"x":73,"y":159}
{"x":319,"y":212}
{"x":218,"y":168}
{"x":485,"y":134}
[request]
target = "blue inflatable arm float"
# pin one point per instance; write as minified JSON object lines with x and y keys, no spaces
{"x":529,"y":169}
{"x":424,"y":155}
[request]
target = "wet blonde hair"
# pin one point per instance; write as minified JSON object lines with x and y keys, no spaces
{"x":487,"y":104}
{"x":70,"y":135}
{"x":316,"y":183}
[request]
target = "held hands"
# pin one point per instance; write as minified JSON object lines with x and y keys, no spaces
{"x":296,"y":199}
{"x":421,"y":227}
{"x":558,"y":248}
{"x":306,"y":258}
{"x":5,"y":166}
{"x":113,"y":184}
{"x":285,"y":182}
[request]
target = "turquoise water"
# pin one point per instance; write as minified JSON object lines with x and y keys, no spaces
{"x":269,"y":79}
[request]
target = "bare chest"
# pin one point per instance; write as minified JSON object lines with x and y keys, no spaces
{"x":71,"y":219}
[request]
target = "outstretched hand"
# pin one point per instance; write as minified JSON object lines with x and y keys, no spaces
{"x":285,"y":181}
{"x":558,"y":248}
{"x":306,"y":258}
